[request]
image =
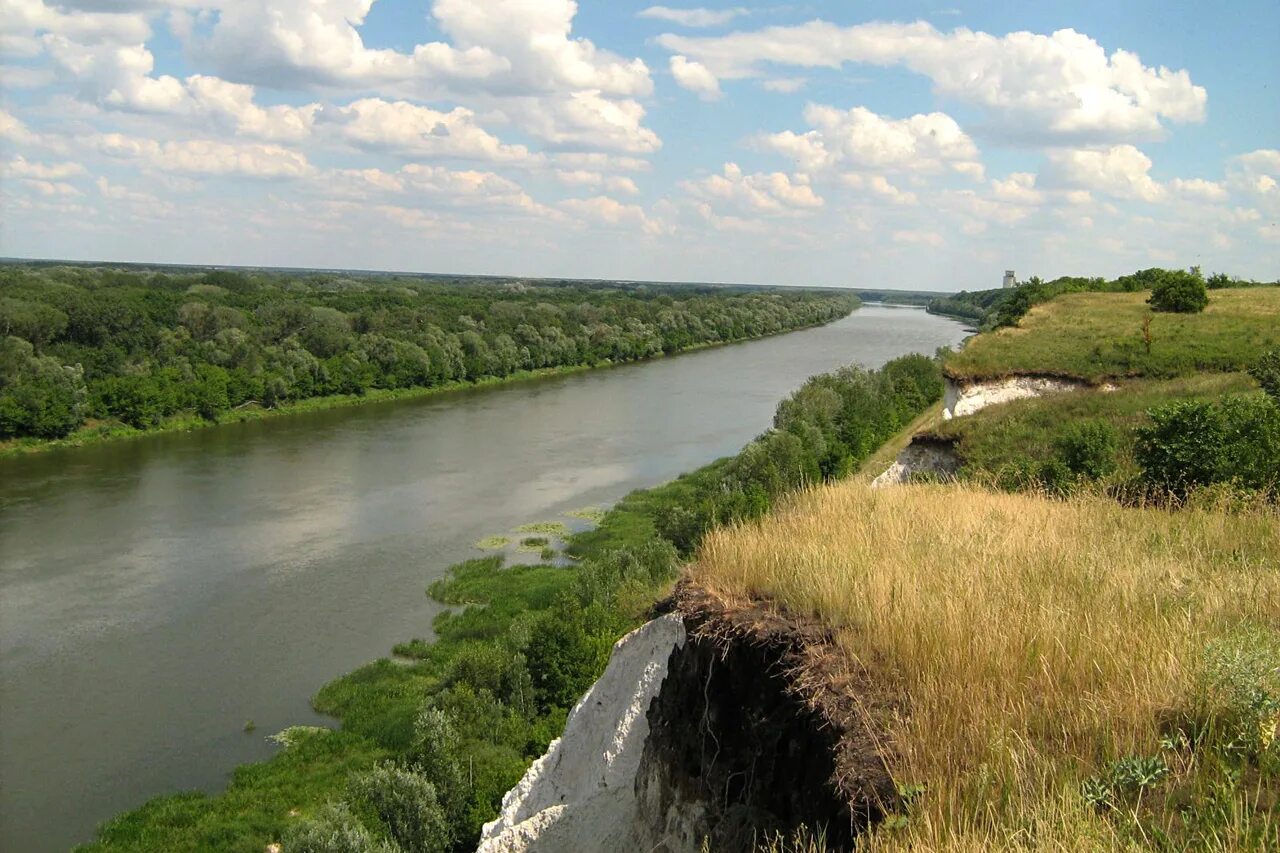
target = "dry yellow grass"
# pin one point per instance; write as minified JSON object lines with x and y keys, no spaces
{"x":1031,"y":639}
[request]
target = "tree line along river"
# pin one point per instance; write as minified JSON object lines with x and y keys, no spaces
{"x":158,"y":593}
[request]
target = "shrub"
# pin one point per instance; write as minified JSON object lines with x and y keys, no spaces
{"x":1179,"y":292}
{"x":1192,"y":443}
{"x":407,"y":806}
{"x":435,"y":752}
{"x":1239,"y":692}
{"x":334,"y":829}
{"x":562,"y":657}
{"x":1267,"y":372}
{"x":1088,"y":448}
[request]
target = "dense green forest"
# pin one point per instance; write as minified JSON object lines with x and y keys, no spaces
{"x":990,"y":309}
{"x":140,"y":347}
{"x":429,"y":744}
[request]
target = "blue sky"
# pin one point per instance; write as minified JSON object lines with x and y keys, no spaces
{"x":861,"y":144}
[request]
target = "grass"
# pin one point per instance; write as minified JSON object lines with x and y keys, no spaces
{"x":1098,"y":336}
{"x":260,"y":799}
{"x":1013,"y":437}
{"x":1036,"y":645}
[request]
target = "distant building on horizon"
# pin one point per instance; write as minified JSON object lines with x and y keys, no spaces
{"x":1010,"y":280}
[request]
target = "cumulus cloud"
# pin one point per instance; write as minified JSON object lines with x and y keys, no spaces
{"x":1257,"y":174}
{"x":612,"y":212}
{"x":21,"y":167}
{"x":1121,"y":171}
{"x":206,"y":157}
{"x":515,"y":59}
{"x":1062,"y":85}
{"x":1198,"y":189}
{"x":860,"y":139}
{"x":695,"y":77}
{"x":772,"y":193}
{"x":697,"y":17}
{"x":416,"y":131}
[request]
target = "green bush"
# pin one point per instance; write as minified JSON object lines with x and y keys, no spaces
{"x":407,"y":807}
{"x":334,"y":829}
{"x":1267,"y":372}
{"x":1179,"y":292}
{"x":563,"y":659}
{"x":1193,"y":443}
{"x":1089,"y":448}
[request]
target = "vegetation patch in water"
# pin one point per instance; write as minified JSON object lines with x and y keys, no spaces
{"x":548,"y":528}
{"x":593,"y":514}
{"x":493,"y":543}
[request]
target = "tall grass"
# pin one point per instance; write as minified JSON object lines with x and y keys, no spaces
{"x":1034,"y":642}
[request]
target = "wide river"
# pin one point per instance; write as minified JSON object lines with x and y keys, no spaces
{"x":156,"y":594}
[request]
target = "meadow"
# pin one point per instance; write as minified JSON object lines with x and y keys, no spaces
{"x":1096,"y":337}
{"x":1073,"y":675}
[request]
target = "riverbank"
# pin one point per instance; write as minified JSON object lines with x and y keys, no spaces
{"x":228,"y":574}
{"x":99,"y":433}
{"x":495,"y":685}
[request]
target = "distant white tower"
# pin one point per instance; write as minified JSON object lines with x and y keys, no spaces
{"x":1009,"y":279}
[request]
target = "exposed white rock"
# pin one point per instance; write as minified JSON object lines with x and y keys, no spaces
{"x":927,"y":457}
{"x":580,"y":796}
{"x":960,"y":400}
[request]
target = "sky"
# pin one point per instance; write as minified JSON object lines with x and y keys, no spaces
{"x":862,"y":144}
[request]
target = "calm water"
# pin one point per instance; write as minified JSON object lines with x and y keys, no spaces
{"x":158,"y":593}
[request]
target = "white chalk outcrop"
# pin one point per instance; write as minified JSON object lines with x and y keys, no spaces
{"x":580,"y":796}
{"x":964,"y":399}
{"x":919,"y":458}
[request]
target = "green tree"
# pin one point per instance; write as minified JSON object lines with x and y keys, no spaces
{"x":1179,"y":292}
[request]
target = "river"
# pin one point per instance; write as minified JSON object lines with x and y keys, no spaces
{"x":157,"y":593}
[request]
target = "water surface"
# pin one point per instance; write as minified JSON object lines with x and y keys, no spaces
{"x":156,"y":594}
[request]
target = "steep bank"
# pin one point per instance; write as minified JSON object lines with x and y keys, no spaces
{"x":713,"y":724}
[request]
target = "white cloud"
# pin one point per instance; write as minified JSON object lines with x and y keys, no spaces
{"x":774,"y":193}
{"x":612,"y":212}
{"x":695,"y":77}
{"x":697,"y":17}
{"x":784,"y":85}
{"x":918,"y":237}
{"x":585,"y":120}
{"x":879,"y":185}
{"x":1199,"y":189}
{"x":1019,"y":188}
{"x":206,"y":157}
{"x":1060,"y":86}
{"x":861,"y":139}
{"x":1257,"y":174}
{"x":14,"y":130}
{"x":621,"y":184}
{"x":20,"y":167}
{"x":416,"y":131}
{"x":514,"y":59}
{"x":51,"y":188}
{"x":1121,"y":171}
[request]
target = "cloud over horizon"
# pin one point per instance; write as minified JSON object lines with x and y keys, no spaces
{"x":538,"y":137}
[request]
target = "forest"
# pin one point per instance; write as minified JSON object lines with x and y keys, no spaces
{"x":84,"y":347}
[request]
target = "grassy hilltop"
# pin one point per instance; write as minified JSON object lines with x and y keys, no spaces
{"x":1083,"y":634}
